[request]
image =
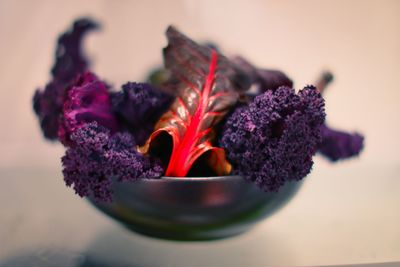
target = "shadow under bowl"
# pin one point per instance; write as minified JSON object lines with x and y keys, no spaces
{"x":193,"y":208}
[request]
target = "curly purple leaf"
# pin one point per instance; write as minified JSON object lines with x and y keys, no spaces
{"x":69,"y":62}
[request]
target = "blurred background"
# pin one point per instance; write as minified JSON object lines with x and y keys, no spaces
{"x":347,"y":213}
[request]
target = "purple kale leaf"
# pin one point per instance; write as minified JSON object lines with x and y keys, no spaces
{"x":98,"y":158}
{"x":262,"y":79}
{"x":338,"y":145}
{"x":86,"y":101}
{"x":273,"y":139}
{"x":69,"y":62}
{"x":138,"y":107}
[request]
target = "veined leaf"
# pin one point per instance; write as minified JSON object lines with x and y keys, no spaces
{"x":206,"y":88}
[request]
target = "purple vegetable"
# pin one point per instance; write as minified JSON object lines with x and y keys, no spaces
{"x":273,"y":139}
{"x":338,"y":145}
{"x":262,"y":79}
{"x":69,"y":62}
{"x":138,"y":107}
{"x":99,"y":157}
{"x":86,"y":101}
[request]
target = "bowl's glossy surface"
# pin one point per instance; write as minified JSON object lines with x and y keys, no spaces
{"x":193,"y":208}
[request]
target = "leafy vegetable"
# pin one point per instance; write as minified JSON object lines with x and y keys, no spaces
{"x":272,"y":140}
{"x":138,"y":107}
{"x":69,"y":62}
{"x":262,"y":79}
{"x":206,"y":88}
{"x":337,"y":144}
{"x":99,"y":157}
{"x":88,"y":100}
{"x":268,"y":133}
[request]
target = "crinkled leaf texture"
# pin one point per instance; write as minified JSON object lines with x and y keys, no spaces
{"x":69,"y":62}
{"x":138,"y":106}
{"x":273,"y":139}
{"x":206,"y":88}
{"x":96,"y":158}
{"x":86,"y":101}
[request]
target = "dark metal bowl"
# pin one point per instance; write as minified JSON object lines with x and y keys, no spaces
{"x":201,"y":208}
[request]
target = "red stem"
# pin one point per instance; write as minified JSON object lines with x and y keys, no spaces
{"x":182,"y":154}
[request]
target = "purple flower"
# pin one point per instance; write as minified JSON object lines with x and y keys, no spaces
{"x":273,"y":139}
{"x":138,"y":107}
{"x":99,"y":158}
{"x":69,"y":62}
{"x":87,"y":100}
{"x":338,"y":145}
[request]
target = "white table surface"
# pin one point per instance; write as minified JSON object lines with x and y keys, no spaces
{"x":344,"y":214}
